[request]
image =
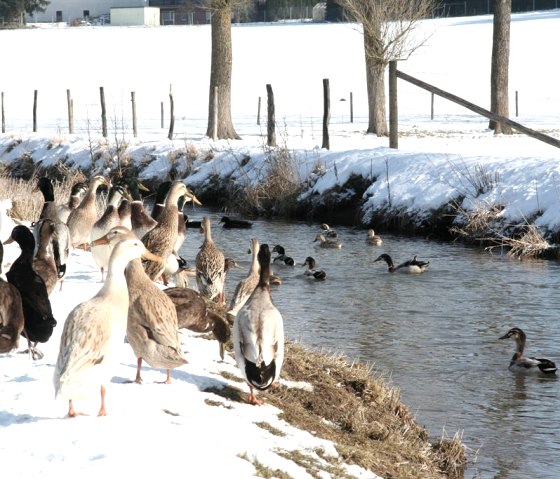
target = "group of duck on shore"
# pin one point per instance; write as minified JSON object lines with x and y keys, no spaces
{"x":138,"y":256}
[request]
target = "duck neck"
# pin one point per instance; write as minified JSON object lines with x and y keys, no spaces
{"x":520,"y":347}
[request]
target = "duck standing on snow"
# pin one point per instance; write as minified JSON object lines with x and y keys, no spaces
{"x":94,"y":330}
{"x":11,"y":313}
{"x":246,"y":286}
{"x":258,"y":335}
{"x":152,"y":329}
{"x":324,"y":242}
{"x":80,"y":221}
{"x":413,"y":266}
{"x":520,"y":363}
{"x":373,"y":239}
{"x":43,"y":262}
{"x":311,"y":272}
{"x":210,"y":266}
{"x":39,"y":321}
{"x":230,"y":223}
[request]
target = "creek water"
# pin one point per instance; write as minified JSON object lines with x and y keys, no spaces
{"x":434,"y":336}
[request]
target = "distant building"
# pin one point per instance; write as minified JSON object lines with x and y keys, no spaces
{"x":70,"y":11}
{"x":127,"y":16}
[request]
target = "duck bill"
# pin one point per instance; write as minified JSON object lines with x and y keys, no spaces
{"x":100,"y":241}
{"x":152,"y":257}
{"x":194,"y":199}
{"x":10,"y":240}
{"x":505,"y":336}
{"x":142,"y":187}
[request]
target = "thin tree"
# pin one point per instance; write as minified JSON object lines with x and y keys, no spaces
{"x":388,"y":28}
{"x":499,"y":76}
{"x":220,"y":71}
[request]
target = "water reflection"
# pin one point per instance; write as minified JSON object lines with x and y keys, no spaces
{"x":435,"y":335}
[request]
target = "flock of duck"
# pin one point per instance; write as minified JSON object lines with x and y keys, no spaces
{"x":138,"y":253}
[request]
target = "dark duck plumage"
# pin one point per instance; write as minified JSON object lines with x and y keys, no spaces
{"x":311,"y":272}
{"x":281,"y":257}
{"x":523,"y":364}
{"x":141,"y":221}
{"x":39,"y":321}
{"x":44,"y":261}
{"x":258,"y":334}
{"x":411,"y":266}
{"x":11,"y":313}
{"x":192,"y":223}
{"x":230,"y":223}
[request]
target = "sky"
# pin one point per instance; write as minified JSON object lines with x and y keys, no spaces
{"x":433,"y":164}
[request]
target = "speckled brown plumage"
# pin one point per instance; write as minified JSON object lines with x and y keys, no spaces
{"x":210,"y":264}
{"x":11,"y":313}
{"x":43,"y":262}
{"x":247,"y":285}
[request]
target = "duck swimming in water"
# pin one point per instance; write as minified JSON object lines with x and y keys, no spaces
{"x":413,"y":266}
{"x":281,"y":257}
{"x":311,"y":272}
{"x":324,"y":242}
{"x":522,"y":364}
{"x":372,"y":238}
{"x":230,"y":223}
{"x":327,"y":231}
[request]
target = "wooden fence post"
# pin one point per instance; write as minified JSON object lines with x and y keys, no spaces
{"x":271,"y":122}
{"x":171,"y":114}
{"x":326,"y":113}
{"x":3,"y":117}
{"x":393,"y":106}
{"x":134,"y":126}
{"x":351,"y":107}
{"x":216,"y":103}
{"x":516,"y":103}
{"x":70,"y":105}
{"x":259,"y":112}
{"x":103,"y":112}
{"x":35,"y":111}
{"x":161,"y":114}
{"x":432,"y":107}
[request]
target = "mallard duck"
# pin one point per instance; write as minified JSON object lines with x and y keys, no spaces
{"x":43,"y":262}
{"x":159,"y":201}
{"x":193,"y":314}
{"x":522,"y":364}
{"x":332,"y":243}
{"x":152,"y":329}
{"x":413,"y":266}
{"x":81,"y":220}
{"x":373,"y":239}
{"x":11,"y":313}
{"x":76,"y":194}
{"x":39,"y":321}
{"x":311,"y":272}
{"x":161,"y":239}
{"x":230,"y":223}
{"x":108,"y":220}
{"x":327,"y":231}
{"x":94,"y":330}
{"x":192,"y":223}
{"x":210,"y":263}
{"x":258,"y":335}
{"x":247,"y":285}
{"x":281,"y":257}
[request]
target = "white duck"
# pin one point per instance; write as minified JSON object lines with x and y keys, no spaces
{"x":94,"y":330}
{"x":258,"y":335}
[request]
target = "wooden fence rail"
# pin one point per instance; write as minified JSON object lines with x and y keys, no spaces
{"x":477,"y":109}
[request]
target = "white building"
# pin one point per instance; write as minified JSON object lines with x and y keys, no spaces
{"x":127,"y":16}
{"x":72,"y":10}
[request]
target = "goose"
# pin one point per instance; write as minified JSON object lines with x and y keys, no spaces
{"x":229,"y":223}
{"x":43,"y":262}
{"x":311,"y":272}
{"x":210,"y":264}
{"x":11,"y":313}
{"x":141,"y":221}
{"x":161,"y":239}
{"x":247,"y":285}
{"x":373,"y":239}
{"x":80,"y":221}
{"x":39,"y":321}
{"x":108,"y":220}
{"x":281,"y":257}
{"x":327,"y":231}
{"x":76,"y":193}
{"x":94,"y":331}
{"x":193,"y":314}
{"x":413,"y":266}
{"x":152,"y":329}
{"x":324,"y":242}
{"x":258,"y":335}
{"x":523,"y":364}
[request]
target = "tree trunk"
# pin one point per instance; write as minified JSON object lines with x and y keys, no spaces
{"x":220,"y":71}
{"x":499,"y":80}
{"x":375,"y":79}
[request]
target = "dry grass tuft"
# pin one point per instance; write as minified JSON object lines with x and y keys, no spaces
{"x":529,"y":244}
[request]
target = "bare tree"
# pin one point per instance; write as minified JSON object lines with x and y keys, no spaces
{"x":388,"y":29}
{"x":499,"y":76}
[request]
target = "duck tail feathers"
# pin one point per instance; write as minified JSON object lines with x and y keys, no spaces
{"x":260,"y":377}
